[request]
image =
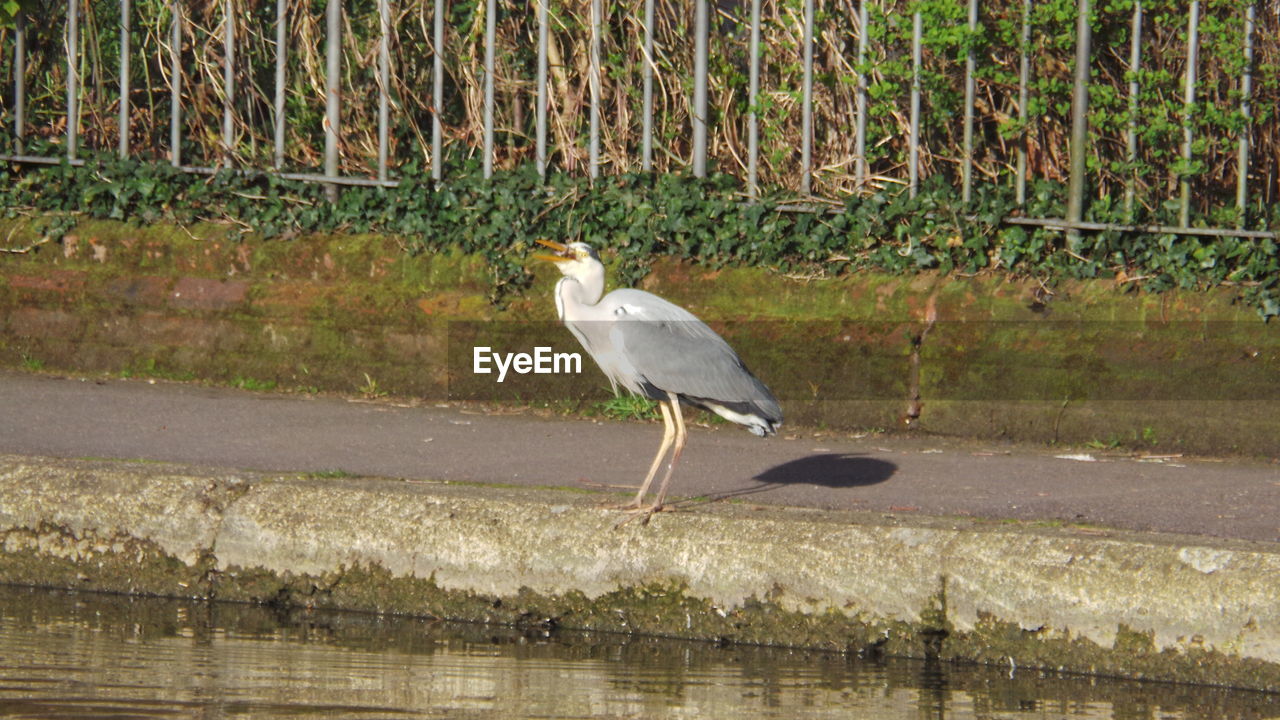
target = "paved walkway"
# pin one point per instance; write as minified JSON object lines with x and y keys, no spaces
{"x":139,"y":419}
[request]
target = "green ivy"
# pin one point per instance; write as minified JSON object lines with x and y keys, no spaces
{"x":638,"y":217}
{"x":9,"y":13}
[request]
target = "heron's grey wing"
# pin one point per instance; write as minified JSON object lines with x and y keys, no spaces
{"x":674,"y":351}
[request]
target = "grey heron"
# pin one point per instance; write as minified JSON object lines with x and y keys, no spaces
{"x":659,"y":350}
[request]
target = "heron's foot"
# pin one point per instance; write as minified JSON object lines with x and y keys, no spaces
{"x":641,"y":512}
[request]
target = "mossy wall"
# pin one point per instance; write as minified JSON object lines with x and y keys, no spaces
{"x":982,"y":356}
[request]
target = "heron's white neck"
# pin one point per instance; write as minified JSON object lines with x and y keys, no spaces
{"x":579,"y":290}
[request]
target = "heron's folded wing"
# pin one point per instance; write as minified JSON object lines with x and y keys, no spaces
{"x":673,"y":350}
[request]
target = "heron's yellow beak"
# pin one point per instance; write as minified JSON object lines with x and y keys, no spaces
{"x":562,"y":251}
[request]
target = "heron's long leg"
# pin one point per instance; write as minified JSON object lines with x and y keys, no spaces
{"x":681,"y":436}
{"x":668,"y":434}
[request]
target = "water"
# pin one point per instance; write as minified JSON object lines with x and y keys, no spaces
{"x":67,"y":655}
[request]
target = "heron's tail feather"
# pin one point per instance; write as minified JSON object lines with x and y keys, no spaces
{"x":761,"y":417}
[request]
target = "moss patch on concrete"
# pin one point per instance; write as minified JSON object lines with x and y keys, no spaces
{"x":1132,"y":656}
{"x":55,"y":556}
{"x":655,"y":610}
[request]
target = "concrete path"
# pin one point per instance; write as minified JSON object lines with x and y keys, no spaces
{"x":218,"y":427}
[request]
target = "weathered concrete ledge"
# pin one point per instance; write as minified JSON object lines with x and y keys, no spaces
{"x":1075,"y":599}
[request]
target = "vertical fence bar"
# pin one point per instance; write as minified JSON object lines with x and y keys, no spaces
{"x":970,"y":90}
{"x":282,"y":39}
{"x":1246,"y":91}
{"x":73,"y":76}
{"x":490,"y":25}
{"x":753,"y":118}
{"x":700,"y":89}
{"x":437,"y":91}
{"x":1024,"y":83}
{"x":175,"y":90}
{"x":1131,"y":135}
{"x":384,"y":85}
{"x":540,"y":116}
{"x":19,"y":78}
{"x":1079,"y":123}
{"x":860,"y":101}
{"x":646,"y":120}
{"x":913,"y":147}
{"x":228,"y":80}
{"x":332,"y":90}
{"x":593,"y":150}
{"x":806,"y":113}
{"x":490,"y":40}
{"x":124,"y":78}
{"x":1188,"y":101}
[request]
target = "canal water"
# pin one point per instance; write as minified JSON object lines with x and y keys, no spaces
{"x":83,"y":655}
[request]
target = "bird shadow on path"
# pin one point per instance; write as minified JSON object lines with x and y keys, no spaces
{"x":832,"y":470}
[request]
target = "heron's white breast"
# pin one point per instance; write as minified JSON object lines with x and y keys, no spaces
{"x":560,"y":298}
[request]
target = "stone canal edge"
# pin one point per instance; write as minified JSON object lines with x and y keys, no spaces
{"x":1081,"y":600}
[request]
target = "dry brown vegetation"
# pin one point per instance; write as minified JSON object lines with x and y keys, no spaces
{"x":1216,"y":118}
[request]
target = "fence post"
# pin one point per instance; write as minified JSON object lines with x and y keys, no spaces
{"x":19,"y":78}
{"x":437,"y":91}
{"x":228,"y":80}
{"x":282,"y":40}
{"x":860,"y":102}
{"x":1135,"y":63}
{"x":73,"y":76}
{"x":1246,"y":90}
{"x":806,"y":112}
{"x":753,"y":98}
{"x":970,"y":89}
{"x":1079,"y":125}
{"x":646,"y":151}
{"x":1024,"y":82}
{"x":333,"y":88}
{"x":700,"y":89}
{"x":124,"y":78}
{"x":175,"y":92}
{"x":540,"y":117}
{"x":384,"y":86}
{"x":490,"y":22}
{"x":1188,"y":102}
{"x":913,"y":144}
{"x":593,"y":151}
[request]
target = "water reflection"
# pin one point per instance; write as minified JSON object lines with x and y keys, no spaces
{"x":93,"y":656}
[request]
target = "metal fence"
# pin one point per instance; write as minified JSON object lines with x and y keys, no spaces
{"x":699,"y":114}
